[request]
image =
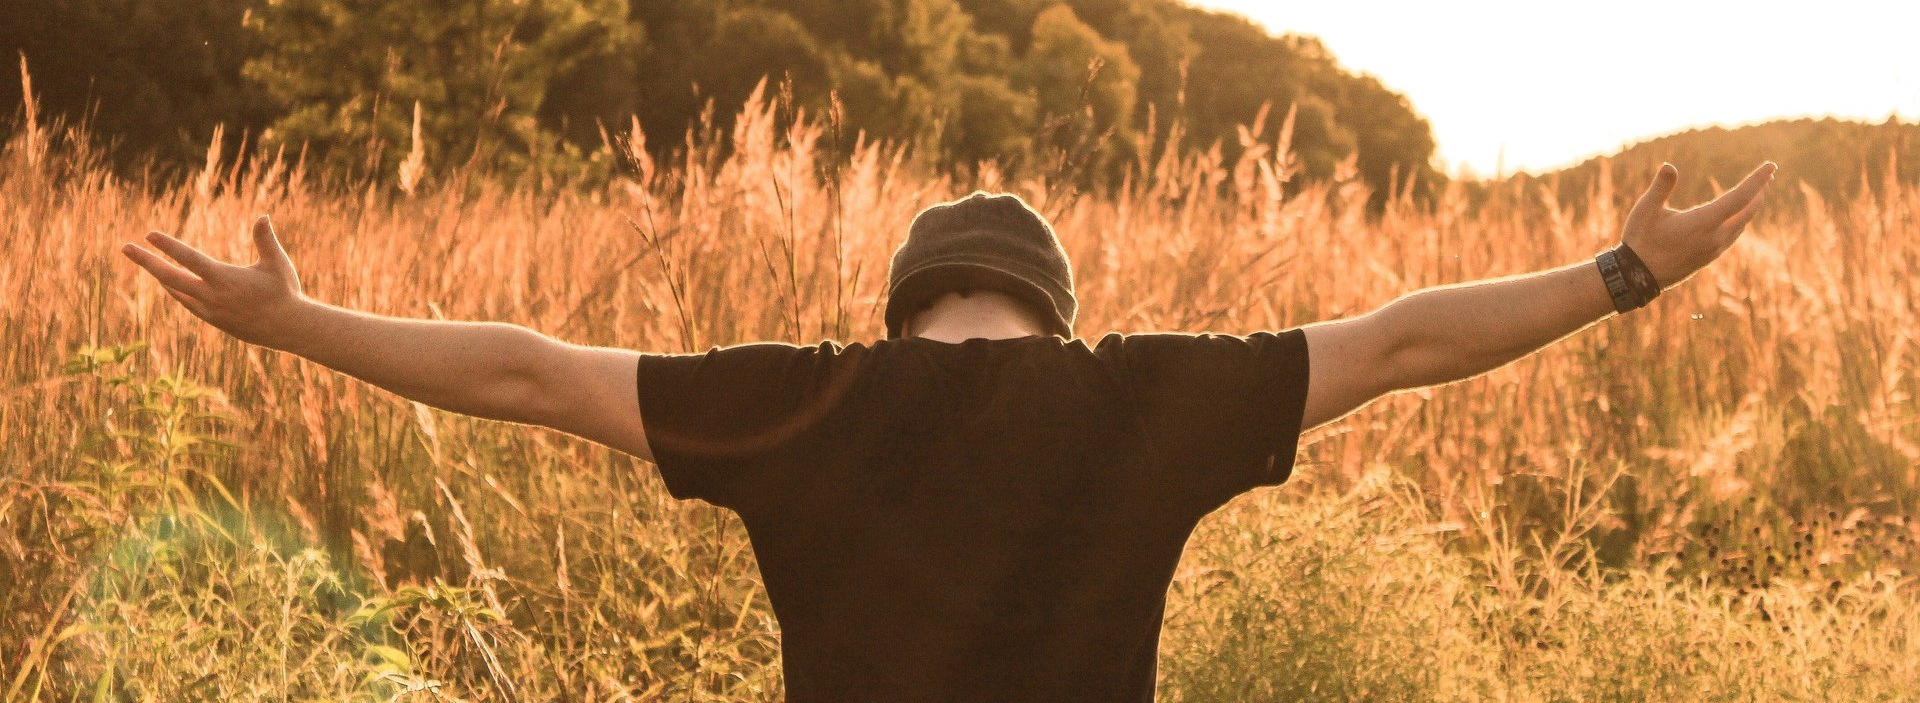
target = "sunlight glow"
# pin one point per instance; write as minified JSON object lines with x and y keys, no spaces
{"x":1511,"y":85}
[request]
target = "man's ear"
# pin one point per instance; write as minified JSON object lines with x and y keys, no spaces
{"x":910,"y":325}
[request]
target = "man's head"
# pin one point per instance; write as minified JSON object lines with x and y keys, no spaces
{"x":982,"y":242}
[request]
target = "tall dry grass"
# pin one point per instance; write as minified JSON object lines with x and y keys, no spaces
{"x":1712,"y":499}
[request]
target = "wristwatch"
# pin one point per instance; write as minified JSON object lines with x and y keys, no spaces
{"x":1629,"y":282}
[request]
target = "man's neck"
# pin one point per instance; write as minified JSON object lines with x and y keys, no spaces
{"x":980,"y":315}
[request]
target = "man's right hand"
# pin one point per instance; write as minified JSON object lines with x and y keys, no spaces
{"x":253,"y":303}
{"x":492,"y":370}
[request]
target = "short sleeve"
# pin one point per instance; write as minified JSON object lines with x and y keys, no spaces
{"x":1221,"y":412}
{"x":729,"y":426}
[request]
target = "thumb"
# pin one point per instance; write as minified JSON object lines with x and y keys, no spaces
{"x":271,"y":253}
{"x":1662,"y":188}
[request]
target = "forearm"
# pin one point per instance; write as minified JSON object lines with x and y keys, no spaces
{"x":482,"y":369}
{"x":1445,"y":334}
{"x":1454,"y":332}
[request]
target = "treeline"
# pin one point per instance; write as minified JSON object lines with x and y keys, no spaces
{"x":1836,"y":159}
{"x":520,"y":84}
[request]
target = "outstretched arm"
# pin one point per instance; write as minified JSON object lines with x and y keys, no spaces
{"x":486,"y":369}
{"x":1449,"y":333}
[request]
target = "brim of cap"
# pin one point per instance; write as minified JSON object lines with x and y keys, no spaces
{"x":923,"y":285}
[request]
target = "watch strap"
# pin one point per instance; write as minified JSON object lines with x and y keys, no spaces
{"x":1629,"y":282}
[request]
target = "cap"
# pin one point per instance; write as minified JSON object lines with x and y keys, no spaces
{"x":985,"y":240}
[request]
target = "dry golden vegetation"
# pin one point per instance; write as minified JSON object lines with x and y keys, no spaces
{"x":1713,"y":499}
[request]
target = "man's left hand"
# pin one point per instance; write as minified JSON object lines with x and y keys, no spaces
{"x":1674,"y":244}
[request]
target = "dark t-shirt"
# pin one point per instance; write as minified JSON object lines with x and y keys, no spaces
{"x":987,"y":520}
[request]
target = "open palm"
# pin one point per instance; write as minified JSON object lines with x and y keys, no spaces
{"x":244,"y":301}
{"x":1674,"y":244}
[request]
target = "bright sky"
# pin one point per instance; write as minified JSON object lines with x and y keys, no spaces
{"x":1552,"y":83}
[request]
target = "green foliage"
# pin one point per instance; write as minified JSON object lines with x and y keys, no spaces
{"x":536,"y":85}
{"x":171,"y":562}
{"x":1239,"y":67}
{"x":201,"y":605}
{"x":1088,"y":80}
{"x":1338,"y":599}
{"x":163,"y":560}
{"x":154,"y":75}
{"x":1016,"y":81}
{"x":993,"y":121}
{"x":350,"y":73}
{"x":1358,"y":597}
{"x":752,"y":43}
{"x":154,"y":447}
{"x":533,"y":85}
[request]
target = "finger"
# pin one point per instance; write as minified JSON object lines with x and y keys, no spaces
{"x":192,"y":304}
{"x":1662,"y":187}
{"x":271,"y":253}
{"x":1734,"y":201}
{"x":189,"y":257}
{"x":170,"y":276}
{"x":1738,"y":223}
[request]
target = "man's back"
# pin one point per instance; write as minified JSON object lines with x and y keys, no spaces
{"x":983,"y":520}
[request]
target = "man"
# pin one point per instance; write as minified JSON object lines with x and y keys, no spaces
{"x":980,"y":506}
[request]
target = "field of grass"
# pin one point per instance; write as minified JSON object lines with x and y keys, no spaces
{"x":1710,"y":500}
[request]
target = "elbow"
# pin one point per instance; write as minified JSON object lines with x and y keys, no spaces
{"x":519,"y":401}
{"x":518,"y":391}
{"x":1405,"y":350}
{"x":1424,"y":346}
{"x":1419,"y":366}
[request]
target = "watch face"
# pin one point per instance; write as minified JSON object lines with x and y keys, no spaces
{"x":1639,"y":278}
{"x":1617,"y":286}
{"x":1642,"y":281}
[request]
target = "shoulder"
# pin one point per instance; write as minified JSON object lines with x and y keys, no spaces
{"x":749,"y":370}
{"x":1138,"y":345}
{"x":767,"y":351}
{"x":828,"y":347}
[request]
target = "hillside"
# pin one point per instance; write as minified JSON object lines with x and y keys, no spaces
{"x":1835,"y":158}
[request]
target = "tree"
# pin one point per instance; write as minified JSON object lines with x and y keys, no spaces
{"x":1083,"y":78}
{"x":351,"y":71}
{"x":993,"y":122}
{"x":1240,"y":67}
{"x":754,"y":43}
{"x":600,"y":86}
{"x":530,"y":83}
{"x":157,"y":75}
